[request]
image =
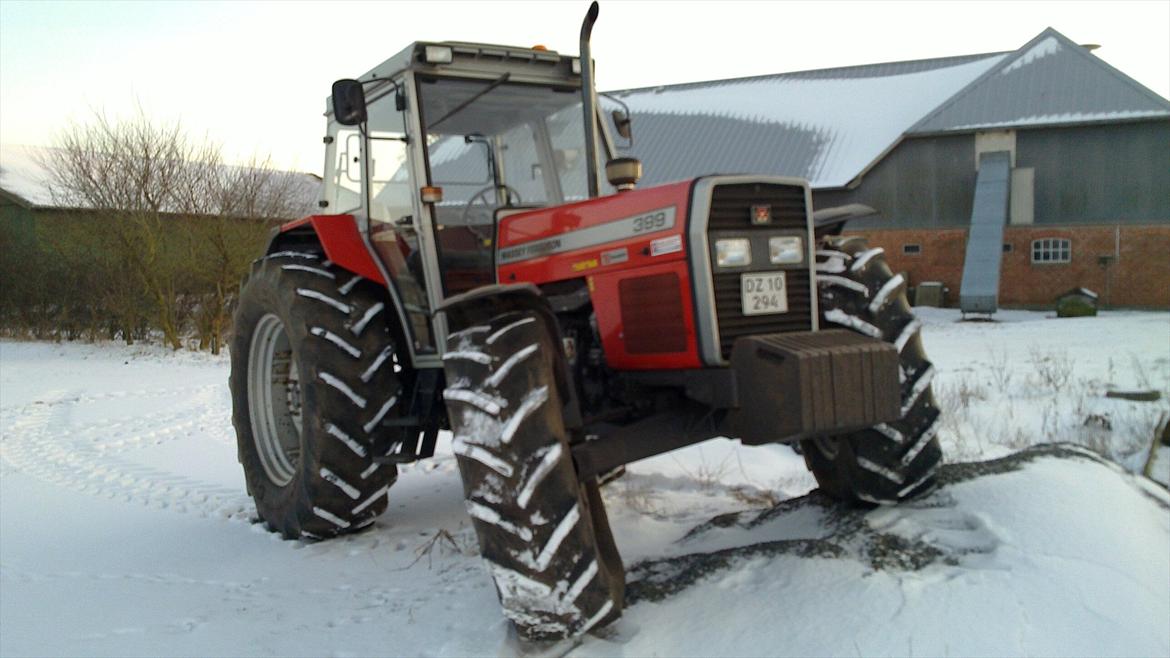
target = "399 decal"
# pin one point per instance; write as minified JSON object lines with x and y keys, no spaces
{"x":653,"y":222}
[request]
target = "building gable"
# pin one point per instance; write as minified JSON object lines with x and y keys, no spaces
{"x":1049,"y":81}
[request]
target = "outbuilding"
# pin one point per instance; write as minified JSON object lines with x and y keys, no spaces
{"x":1071,"y":157}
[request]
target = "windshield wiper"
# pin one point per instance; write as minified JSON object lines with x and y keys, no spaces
{"x":495,"y":83}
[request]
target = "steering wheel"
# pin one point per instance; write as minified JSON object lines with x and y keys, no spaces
{"x":482,"y":195}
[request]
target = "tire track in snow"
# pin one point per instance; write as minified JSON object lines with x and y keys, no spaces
{"x":64,"y":397}
{"x":152,"y":428}
{"x":39,"y":440}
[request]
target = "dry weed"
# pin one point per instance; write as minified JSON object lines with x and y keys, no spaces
{"x":443,"y":541}
{"x":1054,"y":368}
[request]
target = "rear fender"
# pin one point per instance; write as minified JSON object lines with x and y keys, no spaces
{"x":338,"y":235}
{"x":831,"y":221}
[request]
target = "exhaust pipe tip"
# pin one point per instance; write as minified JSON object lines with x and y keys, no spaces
{"x":589,"y":101}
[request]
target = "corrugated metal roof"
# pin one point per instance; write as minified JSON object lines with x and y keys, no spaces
{"x":826,"y":126}
{"x":1049,"y":81}
{"x":855,"y":71}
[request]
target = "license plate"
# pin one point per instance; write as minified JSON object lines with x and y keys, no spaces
{"x":763,"y":293}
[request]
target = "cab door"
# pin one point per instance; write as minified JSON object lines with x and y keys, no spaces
{"x":370,"y":174}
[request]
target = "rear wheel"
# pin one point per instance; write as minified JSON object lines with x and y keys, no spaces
{"x":891,"y":461}
{"x":544,"y":535}
{"x":313,"y":377}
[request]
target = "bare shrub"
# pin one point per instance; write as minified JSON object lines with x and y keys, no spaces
{"x":170,"y":227}
{"x":951,"y":410}
{"x":954,"y":400}
{"x":959,"y":395}
{"x":708,"y":475}
{"x":639,"y":497}
{"x":1159,"y":429}
{"x":1139,"y":372}
{"x":443,"y":541}
{"x":1053,"y":368}
{"x":755,"y":497}
{"x":1001,"y":373}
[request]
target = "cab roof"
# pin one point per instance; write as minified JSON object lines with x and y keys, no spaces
{"x":479,"y":60}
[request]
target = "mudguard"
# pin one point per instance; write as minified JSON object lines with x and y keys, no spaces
{"x":338,"y":235}
{"x":831,"y":221}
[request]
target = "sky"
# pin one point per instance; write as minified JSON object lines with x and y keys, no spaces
{"x":253,"y":76}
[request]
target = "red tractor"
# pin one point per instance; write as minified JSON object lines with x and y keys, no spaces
{"x":474,"y":274}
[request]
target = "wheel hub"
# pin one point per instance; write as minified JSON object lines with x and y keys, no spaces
{"x":828,"y":445}
{"x":274,"y":400}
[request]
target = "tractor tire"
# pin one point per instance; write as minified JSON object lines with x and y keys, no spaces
{"x":889,"y":462}
{"x":543,"y":533}
{"x":313,"y":375}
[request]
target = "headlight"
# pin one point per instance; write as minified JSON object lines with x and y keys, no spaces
{"x":438,"y":55}
{"x":786,"y":249}
{"x":733,"y":253}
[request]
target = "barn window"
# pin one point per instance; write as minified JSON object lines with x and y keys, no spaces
{"x":1051,"y":250}
{"x":912,"y":249}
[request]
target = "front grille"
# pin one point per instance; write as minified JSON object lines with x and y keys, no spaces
{"x":731,"y":206}
{"x":731,"y":211}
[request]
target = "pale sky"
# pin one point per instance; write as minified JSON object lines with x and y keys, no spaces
{"x":253,"y":76}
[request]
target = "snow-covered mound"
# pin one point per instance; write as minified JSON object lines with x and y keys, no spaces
{"x":1051,"y":551}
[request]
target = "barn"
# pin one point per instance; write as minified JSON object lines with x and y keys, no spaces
{"x":1008,"y":177}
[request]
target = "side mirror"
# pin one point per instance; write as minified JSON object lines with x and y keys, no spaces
{"x":349,"y":102}
{"x":621,"y":121}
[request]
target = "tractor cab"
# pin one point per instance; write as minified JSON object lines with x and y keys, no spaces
{"x":430,"y":149}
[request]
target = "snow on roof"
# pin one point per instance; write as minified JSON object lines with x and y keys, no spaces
{"x":22,"y":175}
{"x":1065,"y":118}
{"x":1049,"y":81}
{"x":1049,"y":46}
{"x":839,"y":121}
{"x":1084,"y":292}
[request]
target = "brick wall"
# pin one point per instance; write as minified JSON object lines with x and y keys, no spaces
{"x":1138,"y":276}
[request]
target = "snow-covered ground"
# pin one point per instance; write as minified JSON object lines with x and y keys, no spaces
{"x":125,"y":528}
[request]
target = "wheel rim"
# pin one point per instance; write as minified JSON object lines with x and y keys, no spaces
{"x":274,"y":400}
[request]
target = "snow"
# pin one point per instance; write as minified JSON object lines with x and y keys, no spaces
{"x":21,"y":174}
{"x":125,"y":528}
{"x":1030,"y":566}
{"x":1063,"y":118}
{"x":857,"y":117}
{"x":1046,"y":47}
{"x":1031,"y":377}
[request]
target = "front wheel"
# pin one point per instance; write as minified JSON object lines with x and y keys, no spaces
{"x":889,"y":462}
{"x":544,"y":535}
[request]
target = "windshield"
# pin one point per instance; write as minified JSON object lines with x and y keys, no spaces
{"x":483,"y":133}
{"x":494,"y":145}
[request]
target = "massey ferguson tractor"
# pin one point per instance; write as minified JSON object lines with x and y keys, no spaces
{"x":472,"y":273}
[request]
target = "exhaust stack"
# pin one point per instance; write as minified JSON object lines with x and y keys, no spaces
{"x":589,"y":100}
